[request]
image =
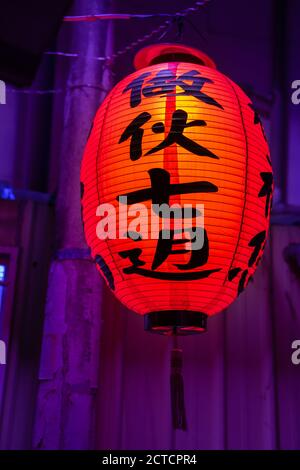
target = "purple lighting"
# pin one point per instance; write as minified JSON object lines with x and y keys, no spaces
{"x":81,"y":372}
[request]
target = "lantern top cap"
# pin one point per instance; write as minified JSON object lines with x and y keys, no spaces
{"x":160,"y":53}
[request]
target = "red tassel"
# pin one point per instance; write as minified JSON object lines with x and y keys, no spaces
{"x":177,"y":390}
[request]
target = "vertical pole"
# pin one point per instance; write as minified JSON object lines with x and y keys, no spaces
{"x":71,"y":339}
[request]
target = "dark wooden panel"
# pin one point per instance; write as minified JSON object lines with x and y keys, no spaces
{"x":30,"y":227}
{"x":286,"y":317}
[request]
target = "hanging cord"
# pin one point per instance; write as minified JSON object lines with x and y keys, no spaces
{"x":176,"y":24}
{"x":177,"y":387}
{"x":196,"y":29}
{"x":180,"y":26}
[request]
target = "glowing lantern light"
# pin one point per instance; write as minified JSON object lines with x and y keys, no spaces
{"x":177,"y":131}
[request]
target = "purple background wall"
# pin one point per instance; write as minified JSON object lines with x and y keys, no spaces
{"x":103,"y":382}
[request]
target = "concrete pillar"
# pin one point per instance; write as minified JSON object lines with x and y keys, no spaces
{"x":68,"y":379}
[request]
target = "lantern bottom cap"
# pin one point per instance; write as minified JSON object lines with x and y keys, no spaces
{"x":175,"y":322}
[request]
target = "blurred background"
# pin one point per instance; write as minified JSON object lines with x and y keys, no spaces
{"x":81,"y":373}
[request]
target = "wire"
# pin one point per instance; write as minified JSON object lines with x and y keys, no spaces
{"x":123,"y":51}
{"x":196,"y":29}
{"x":160,"y":30}
{"x":180,"y":15}
{"x":128,"y":16}
{"x":69,"y":54}
{"x":113,"y":16}
{"x":32,"y":91}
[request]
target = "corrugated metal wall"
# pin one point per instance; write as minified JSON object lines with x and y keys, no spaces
{"x":241,"y":388}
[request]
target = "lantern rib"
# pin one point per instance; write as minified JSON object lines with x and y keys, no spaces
{"x":246,"y":175}
{"x":109,"y":98}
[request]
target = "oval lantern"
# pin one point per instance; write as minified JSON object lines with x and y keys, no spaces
{"x":177,"y":132}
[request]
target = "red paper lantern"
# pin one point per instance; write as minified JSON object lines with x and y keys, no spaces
{"x":178,"y":131}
